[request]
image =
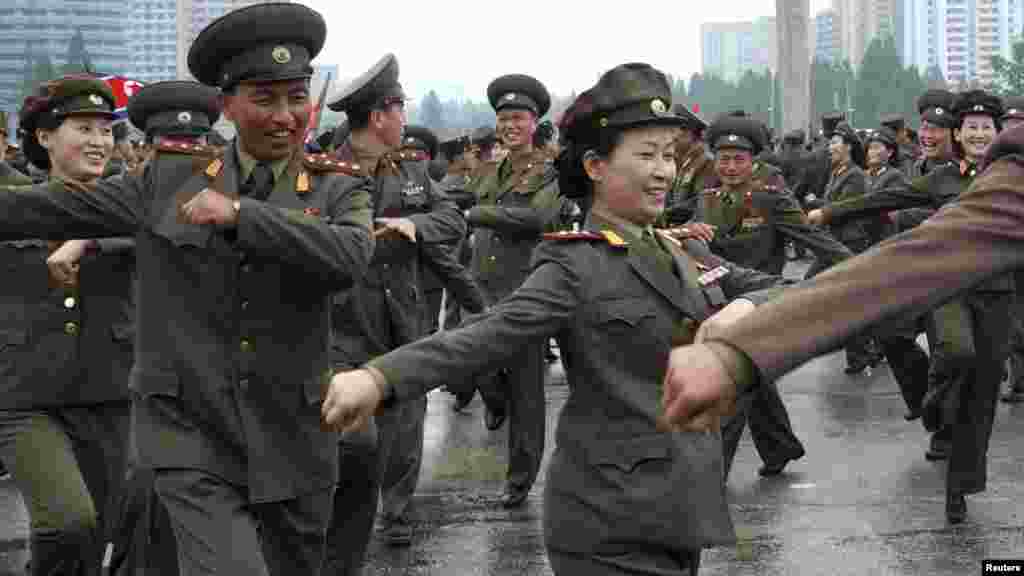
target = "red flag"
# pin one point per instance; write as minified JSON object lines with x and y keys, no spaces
{"x":123,"y":89}
{"x":696,"y":108}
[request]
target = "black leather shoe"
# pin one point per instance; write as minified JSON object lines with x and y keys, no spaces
{"x":956,"y":508}
{"x":937,"y":451}
{"x":856,"y":368}
{"x":397,"y":532}
{"x":492,"y":420}
{"x":461,"y":401}
{"x":514,"y":499}
{"x":768,"y":470}
{"x":912,"y":414}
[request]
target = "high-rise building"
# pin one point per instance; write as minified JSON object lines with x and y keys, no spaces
{"x":826,"y":36}
{"x":730,"y":49}
{"x":959,"y":37}
{"x":153,"y":39}
{"x":193,"y":16}
{"x":31,"y":30}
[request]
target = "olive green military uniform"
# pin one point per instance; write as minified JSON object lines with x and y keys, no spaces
{"x":694,"y":173}
{"x":10,"y":176}
{"x":232,"y":334}
{"x":65,"y":353}
{"x":958,"y":333}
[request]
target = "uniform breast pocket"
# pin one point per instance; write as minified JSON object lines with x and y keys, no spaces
{"x":639,"y":468}
{"x":166,"y":224}
{"x":11,"y":340}
{"x":627,"y":318}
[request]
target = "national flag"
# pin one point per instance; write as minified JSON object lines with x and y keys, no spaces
{"x":123,"y":89}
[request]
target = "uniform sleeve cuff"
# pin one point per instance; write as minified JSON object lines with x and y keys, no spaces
{"x":387,"y":393}
{"x":737,"y":364}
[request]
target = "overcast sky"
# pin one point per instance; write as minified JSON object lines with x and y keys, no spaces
{"x":458,"y":46}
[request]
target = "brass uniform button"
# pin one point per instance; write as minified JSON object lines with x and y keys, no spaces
{"x":245,"y":345}
{"x":70,"y":302}
{"x":71,"y":329}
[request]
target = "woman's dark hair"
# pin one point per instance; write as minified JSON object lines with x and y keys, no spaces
{"x":573,"y":180}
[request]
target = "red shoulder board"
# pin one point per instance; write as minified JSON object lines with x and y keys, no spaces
{"x":567,"y":235}
{"x":325,"y":163}
{"x":183,"y":147}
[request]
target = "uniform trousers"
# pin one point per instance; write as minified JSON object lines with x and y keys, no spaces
{"x":219,"y":532}
{"x":639,"y":562}
{"x":69,"y":465}
{"x":770,"y":428}
{"x":401,"y":455}
{"x":355,"y":506}
{"x":145,"y":530}
{"x":520,"y":392}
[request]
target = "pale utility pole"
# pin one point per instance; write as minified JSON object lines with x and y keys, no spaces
{"x":794,"y":64}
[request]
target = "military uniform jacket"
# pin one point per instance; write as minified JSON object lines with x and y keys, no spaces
{"x":384,"y":310}
{"x":939,"y":187}
{"x":851,"y":183}
{"x":515,"y":206}
{"x":694,"y":174}
{"x":615,"y":481}
{"x":753,"y":227}
{"x":65,"y":346}
{"x":232,"y":333}
{"x":10,"y":176}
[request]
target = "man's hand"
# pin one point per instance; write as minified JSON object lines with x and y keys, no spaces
{"x":64,"y":262}
{"x":210,"y":207}
{"x":697,"y":391}
{"x":352,"y":398}
{"x":699,"y":230}
{"x":400,"y":226}
{"x":723,"y":318}
{"x":816,"y":217}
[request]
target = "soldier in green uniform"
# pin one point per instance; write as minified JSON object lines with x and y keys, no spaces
{"x":416,"y":228}
{"x":621,"y":497}
{"x":906,"y":155}
{"x":171,"y":114}
{"x":968,"y":335}
{"x":66,"y":344}
{"x":517,"y":201}
{"x":238,"y":252}
{"x":9,"y":175}
{"x":694,"y":168}
{"x":752,"y":220}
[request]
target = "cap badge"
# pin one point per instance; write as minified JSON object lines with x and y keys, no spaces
{"x":184,"y":118}
{"x":96,"y":100}
{"x":604,"y":122}
{"x":978,"y":108}
{"x":733,"y":138}
{"x":939,"y":111}
{"x":657,"y":106}
{"x":510,"y":96}
{"x":281,"y":55}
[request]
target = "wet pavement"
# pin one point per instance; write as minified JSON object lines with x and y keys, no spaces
{"x":863,"y":501}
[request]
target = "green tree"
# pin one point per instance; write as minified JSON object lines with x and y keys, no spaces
{"x":878,"y":87}
{"x":1010,"y":72}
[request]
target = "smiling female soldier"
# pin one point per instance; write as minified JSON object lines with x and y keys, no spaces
{"x":623,"y":496}
{"x":66,"y":344}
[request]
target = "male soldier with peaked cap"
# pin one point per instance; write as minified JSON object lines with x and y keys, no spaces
{"x":169,"y":113}
{"x":416,"y":227}
{"x":753,"y":219}
{"x":694,"y":168}
{"x":422,"y":139}
{"x":518,"y":201}
{"x":239,"y":251}
{"x":9,"y":175}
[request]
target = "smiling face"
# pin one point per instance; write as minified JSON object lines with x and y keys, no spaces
{"x":79,"y":148}
{"x":936,"y":141}
{"x":633,"y":181}
{"x":515,"y":129}
{"x":878,"y":154}
{"x":735,"y":166}
{"x":270,"y":117}
{"x":838,"y":150}
{"x":976,"y":132}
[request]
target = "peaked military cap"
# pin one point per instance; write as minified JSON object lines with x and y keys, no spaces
{"x":631,"y":94}
{"x":484,"y":135}
{"x":519,"y":91}
{"x":736,"y":132}
{"x":978,"y":102}
{"x":797,"y":136}
{"x":420,"y":138}
{"x":260,"y":43}
{"x":174,"y":108}
{"x":74,"y":95}
{"x":936,"y":107}
{"x":829,"y":122}
{"x":892,"y":121}
{"x":885,"y":135}
{"x":1014,"y":107}
{"x":451,"y":149}
{"x":692,"y":121}
{"x":376,"y":88}
{"x":852,"y":139}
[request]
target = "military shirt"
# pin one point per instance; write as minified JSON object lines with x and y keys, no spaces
{"x":694,"y":173}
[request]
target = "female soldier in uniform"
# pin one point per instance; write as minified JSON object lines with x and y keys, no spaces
{"x":969,"y":335}
{"x":623,"y":496}
{"x":66,"y":345}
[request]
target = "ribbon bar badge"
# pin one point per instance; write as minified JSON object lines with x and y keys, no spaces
{"x":711,"y":276}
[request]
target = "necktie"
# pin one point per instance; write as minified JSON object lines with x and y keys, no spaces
{"x":260,"y":182}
